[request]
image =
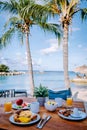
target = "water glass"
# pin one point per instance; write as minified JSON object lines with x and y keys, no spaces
{"x":59,"y":101}
{"x":34,"y":107}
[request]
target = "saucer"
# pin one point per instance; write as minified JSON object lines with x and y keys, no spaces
{"x":76,"y":116}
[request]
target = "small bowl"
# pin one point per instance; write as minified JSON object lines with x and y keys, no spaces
{"x":50,"y":106}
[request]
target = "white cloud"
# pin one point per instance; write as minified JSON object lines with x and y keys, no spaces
{"x":20,"y":61}
{"x":2,"y":58}
{"x":37,"y":62}
{"x":53,"y":47}
{"x":74,"y":29}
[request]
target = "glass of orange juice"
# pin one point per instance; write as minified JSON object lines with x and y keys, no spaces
{"x":69,"y":101}
{"x":7,"y":106}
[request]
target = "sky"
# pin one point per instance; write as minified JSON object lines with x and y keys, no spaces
{"x":45,"y":51}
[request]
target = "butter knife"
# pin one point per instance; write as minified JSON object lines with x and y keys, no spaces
{"x":41,"y":121}
{"x":44,"y":122}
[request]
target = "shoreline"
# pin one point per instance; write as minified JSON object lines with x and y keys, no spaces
{"x":11,"y":73}
{"x":79,"y":80}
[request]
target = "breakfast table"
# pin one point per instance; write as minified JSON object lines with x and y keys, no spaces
{"x":55,"y":123}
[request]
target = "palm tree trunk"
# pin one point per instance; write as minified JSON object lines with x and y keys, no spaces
{"x":30,"y":68}
{"x":65,"y":56}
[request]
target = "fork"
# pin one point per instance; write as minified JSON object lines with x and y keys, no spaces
{"x":44,"y":122}
{"x":41,"y":121}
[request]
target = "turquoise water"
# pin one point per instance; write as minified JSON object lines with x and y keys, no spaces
{"x":51,"y":79}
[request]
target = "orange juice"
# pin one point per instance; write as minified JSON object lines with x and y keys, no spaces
{"x":69,"y":101}
{"x":7,"y":106}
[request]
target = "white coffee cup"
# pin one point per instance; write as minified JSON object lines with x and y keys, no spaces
{"x":59,"y":101}
{"x":34,"y":107}
{"x":76,"y":112}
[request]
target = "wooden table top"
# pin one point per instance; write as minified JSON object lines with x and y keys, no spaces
{"x":55,"y":123}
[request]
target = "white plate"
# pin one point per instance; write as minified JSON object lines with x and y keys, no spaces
{"x":15,"y":106}
{"x":70,"y":117}
{"x":11,"y":119}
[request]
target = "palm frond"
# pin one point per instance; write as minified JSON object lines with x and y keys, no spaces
{"x":53,"y":7}
{"x":1,"y":46}
{"x":20,"y":36}
{"x":34,"y":11}
{"x":12,"y":21}
{"x":63,"y":6}
{"x":84,"y":14}
{"x":10,"y":6}
{"x":7,"y":36}
{"x":52,"y":28}
{"x":72,"y":6}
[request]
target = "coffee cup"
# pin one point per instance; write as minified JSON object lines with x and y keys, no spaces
{"x":34,"y":107}
{"x":76,"y":112}
{"x":59,"y":101}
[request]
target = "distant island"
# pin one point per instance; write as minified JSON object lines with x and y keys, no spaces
{"x":11,"y":73}
{"x":4,"y":70}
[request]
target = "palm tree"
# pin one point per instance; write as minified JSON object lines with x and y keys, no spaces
{"x":65,"y":9}
{"x":26,"y":15}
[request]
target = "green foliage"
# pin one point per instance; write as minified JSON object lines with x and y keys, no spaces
{"x":84,"y":14}
{"x":4,"y":68}
{"x":26,"y":14}
{"x":40,"y":91}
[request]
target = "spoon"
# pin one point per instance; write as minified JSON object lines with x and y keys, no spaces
{"x":42,"y":119}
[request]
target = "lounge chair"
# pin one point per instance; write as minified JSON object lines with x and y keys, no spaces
{"x":62,"y":94}
{"x":20,"y":92}
{"x":78,"y":76}
{"x":1,"y":93}
{"x":4,"y":93}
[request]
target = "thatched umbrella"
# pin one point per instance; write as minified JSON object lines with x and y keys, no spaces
{"x":81,"y":69}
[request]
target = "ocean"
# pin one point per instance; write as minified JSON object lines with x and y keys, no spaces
{"x":51,"y":79}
